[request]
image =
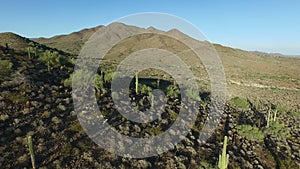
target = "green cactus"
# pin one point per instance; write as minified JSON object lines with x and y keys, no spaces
{"x":29,"y":139}
{"x":29,"y":51}
{"x":268,"y":118}
{"x":152,"y":100}
{"x":275,"y":115}
{"x":136,"y":82}
{"x":223,"y":158}
{"x":272,"y":117}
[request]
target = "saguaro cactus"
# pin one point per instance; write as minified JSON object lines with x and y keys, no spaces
{"x":29,"y":52}
{"x":275,"y":115}
{"x":272,"y":117}
{"x":223,"y":158}
{"x":268,"y":118}
{"x":136,"y":82}
{"x":30,"y":146}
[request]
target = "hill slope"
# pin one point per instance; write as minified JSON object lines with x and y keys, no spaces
{"x":14,"y":41}
{"x":36,"y":100}
{"x":249,"y":74}
{"x":70,"y":43}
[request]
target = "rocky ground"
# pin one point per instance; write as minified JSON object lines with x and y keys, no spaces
{"x":35,"y":101}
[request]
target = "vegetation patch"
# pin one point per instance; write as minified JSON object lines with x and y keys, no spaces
{"x":278,"y":130}
{"x":16,"y":97}
{"x":240,"y":102}
{"x":250,"y":132}
{"x":5,"y":69}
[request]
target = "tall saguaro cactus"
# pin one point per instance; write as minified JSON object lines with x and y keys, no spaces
{"x":30,"y":146}
{"x":223,"y":158}
{"x":272,"y":117}
{"x":136,"y":82}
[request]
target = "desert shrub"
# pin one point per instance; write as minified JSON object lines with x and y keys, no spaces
{"x":63,"y":60}
{"x":15,"y":97}
{"x":68,"y":81}
{"x":50,"y":58}
{"x":192,"y":94}
{"x":278,"y":130}
{"x":6,"y":68}
{"x":295,"y":114}
{"x":172,"y":115}
{"x":250,"y":132}
{"x":115,"y":95}
{"x":155,"y":130}
{"x":99,"y":82}
{"x":240,"y":102}
{"x":287,"y":163}
{"x":79,"y":76}
{"x":173,"y":91}
{"x":205,"y":165}
{"x":54,"y":59}
{"x":144,"y":89}
{"x":108,"y":76}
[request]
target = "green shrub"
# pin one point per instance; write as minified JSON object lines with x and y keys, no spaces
{"x":108,"y":76}
{"x":79,"y":76}
{"x":173,"y":91}
{"x":16,"y":97}
{"x":278,"y":130}
{"x":6,"y":68}
{"x":173,"y":115}
{"x":54,"y":59}
{"x":205,"y":165}
{"x":192,"y":94}
{"x":50,"y":58}
{"x":98,"y":82}
{"x":155,"y":130}
{"x":115,"y":95}
{"x":144,"y":89}
{"x":250,"y":132}
{"x":240,"y":102}
{"x":68,"y":81}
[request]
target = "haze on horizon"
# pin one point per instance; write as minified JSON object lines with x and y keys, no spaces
{"x":268,"y":26}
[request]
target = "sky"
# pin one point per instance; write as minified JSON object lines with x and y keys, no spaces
{"x":256,"y":25}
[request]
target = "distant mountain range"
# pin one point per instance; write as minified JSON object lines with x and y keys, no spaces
{"x":72,"y":43}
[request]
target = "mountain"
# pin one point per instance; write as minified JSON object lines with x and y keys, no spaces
{"x":261,"y":117}
{"x":70,"y":43}
{"x":248,"y":74}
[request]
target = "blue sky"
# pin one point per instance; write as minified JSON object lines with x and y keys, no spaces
{"x":264,"y":25}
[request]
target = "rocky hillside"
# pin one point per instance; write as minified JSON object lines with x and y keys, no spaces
{"x":35,"y":100}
